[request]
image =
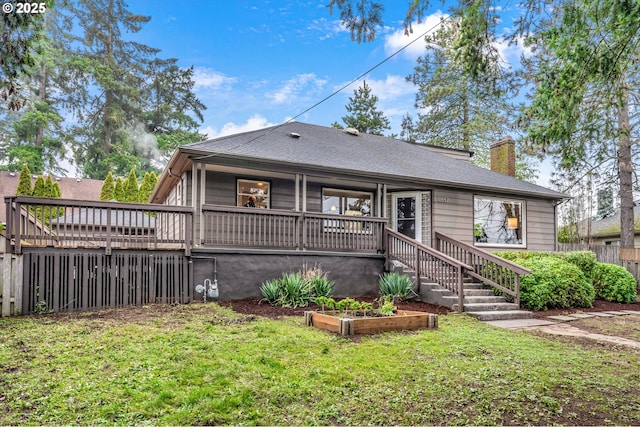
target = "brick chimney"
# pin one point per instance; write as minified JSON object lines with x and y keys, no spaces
{"x":503,"y":156}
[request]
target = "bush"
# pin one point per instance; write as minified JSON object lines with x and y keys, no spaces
{"x":584,"y":260}
{"x":554,"y":283}
{"x":614,"y":283}
{"x":297,"y":289}
{"x":397,"y":286}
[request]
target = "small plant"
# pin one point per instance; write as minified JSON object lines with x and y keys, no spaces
{"x":323,"y":302}
{"x":41,"y":308}
{"x":271,"y":291}
{"x":386,"y":306}
{"x":398,"y":286}
{"x":344,"y":304}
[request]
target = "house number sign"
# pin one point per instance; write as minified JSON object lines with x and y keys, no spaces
{"x":441,"y":199}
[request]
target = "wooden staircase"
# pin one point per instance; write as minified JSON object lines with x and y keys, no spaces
{"x":458,"y":275}
{"x":479,"y":301}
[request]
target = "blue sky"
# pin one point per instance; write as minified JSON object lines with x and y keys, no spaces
{"x":260,"y":63}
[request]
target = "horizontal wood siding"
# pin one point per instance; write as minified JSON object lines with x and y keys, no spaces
{"x":453,"y":214}
{"x":541,"y":225}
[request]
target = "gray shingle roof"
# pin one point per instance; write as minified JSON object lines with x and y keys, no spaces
{"x":334,"y":149}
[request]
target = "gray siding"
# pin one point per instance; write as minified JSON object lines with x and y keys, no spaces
{"x":453,"y":214}
{"x":541,"y":225}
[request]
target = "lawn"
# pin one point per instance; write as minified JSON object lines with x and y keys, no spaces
{"x":204,"y":364}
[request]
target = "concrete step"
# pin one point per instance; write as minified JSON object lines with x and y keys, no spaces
{"x":501,"y":315}
{"x":478,"y":299}
{"x":490,"y":306}
{"x":478,"y":292}
{"x":474,"y":285}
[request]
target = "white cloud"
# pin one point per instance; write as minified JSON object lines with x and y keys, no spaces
{"x":398,"y":39}
{"x":391,"y":88}
{"x":208,"y":78}
{"x":254,"y":122}
{"x":327,"y":28}
{"x":306,"y":84}
{"x":510,"y":54}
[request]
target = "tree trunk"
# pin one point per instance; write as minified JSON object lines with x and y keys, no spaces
{"x":42,"y":96}
{"x":625,"y":171}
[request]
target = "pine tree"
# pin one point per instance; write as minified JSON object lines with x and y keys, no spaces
{"x":108,"y":189}
{"x":24,"y":183}
{"x":146,"y":188}
{"x":39,"y":188}
{"x":118,"y":190}
{"x":131,"y":188}
{"x":365,"y":116}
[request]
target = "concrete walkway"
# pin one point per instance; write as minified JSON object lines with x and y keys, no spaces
{"x":559,"y":325}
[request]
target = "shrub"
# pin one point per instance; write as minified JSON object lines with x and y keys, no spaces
{"x":614,"y":283}
{"x":554,"y":283}
{"x":297,"y":289}
{"x":397,"y":286}
{"x":584,"y":260}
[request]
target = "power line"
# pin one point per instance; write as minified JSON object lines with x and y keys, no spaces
{"x":334,"y":93}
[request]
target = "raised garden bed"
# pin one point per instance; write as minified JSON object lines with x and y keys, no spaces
{"x":338,"y":322}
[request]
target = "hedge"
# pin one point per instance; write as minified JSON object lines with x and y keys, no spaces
{"x":614,"y":283}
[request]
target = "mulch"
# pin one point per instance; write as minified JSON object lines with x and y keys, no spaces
{"x":262,"y":308}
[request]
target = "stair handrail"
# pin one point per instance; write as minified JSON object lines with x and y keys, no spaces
{"x":491,"y":269}
{"x":414,"y":262}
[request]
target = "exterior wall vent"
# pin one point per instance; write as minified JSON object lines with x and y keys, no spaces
{"x":352,"y":131}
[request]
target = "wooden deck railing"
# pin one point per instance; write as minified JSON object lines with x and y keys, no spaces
{"x":490,"y":269}
{"x":250,"y":227}
{"x":34,"y":221}
{"x":230,"y":226}
{"x":427,"y":262}
{"x":332,"y":232}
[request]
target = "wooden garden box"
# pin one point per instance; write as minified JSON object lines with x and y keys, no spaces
{"x":334,"y":321}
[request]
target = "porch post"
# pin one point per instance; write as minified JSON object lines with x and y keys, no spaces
{"x":201,"y":200}
{"x":379,"y":199}
{"x":194,"y":202}
{"x":384,"y":201}
{"x":297,"y":192}
{"x":304,"y":193}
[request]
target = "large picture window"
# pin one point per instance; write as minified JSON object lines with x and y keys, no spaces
{"x":253,"y":194}
{"x":498,"y":222}
{"x":346,"y":202}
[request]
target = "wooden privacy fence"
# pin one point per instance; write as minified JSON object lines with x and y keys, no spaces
{"x":55,"y":280}
{"x":605,"y":253}
{"x":44,"y":222}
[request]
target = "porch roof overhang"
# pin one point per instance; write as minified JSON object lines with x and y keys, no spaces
{"x":455,"y":173}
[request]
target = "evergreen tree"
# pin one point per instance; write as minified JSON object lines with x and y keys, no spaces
{"x":107,"y":192}
{"x":39,"y":188}
{"x":365,"y":116}
{"x":118,"y":190}
{"x":146,"y":188}
{"x":131,"y":188}
{"x":24,"y":182}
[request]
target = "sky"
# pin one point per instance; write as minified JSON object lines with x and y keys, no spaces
{"x":261,"y":63}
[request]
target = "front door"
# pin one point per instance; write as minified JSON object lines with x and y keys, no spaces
{"x":407,"y":214}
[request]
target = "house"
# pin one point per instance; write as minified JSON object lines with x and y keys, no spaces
{"x":70,"y":188}
{"x":606,"y":231}
{"x":272,"y":200}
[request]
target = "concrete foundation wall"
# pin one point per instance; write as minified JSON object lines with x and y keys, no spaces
{"x":240,"y":275}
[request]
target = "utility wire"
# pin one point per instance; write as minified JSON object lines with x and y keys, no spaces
{"x":334,"y":93}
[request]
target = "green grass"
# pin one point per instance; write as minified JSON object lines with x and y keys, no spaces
{"x":202,"y":364}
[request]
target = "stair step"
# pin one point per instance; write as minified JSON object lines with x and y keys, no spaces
{"x":474,"y":286}
{"x":473,"y":299}
{"x":490,"y":306}
{"x":478,"y":292}
{"x":500,"y":315}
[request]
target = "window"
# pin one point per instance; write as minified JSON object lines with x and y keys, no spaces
{"x":498,"y":222}
{"x":346,"y":202}
{"x":253,"y":194}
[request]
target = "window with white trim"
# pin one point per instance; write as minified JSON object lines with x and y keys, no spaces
{"x":498,"y":222}
{"x":253,"y":194}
